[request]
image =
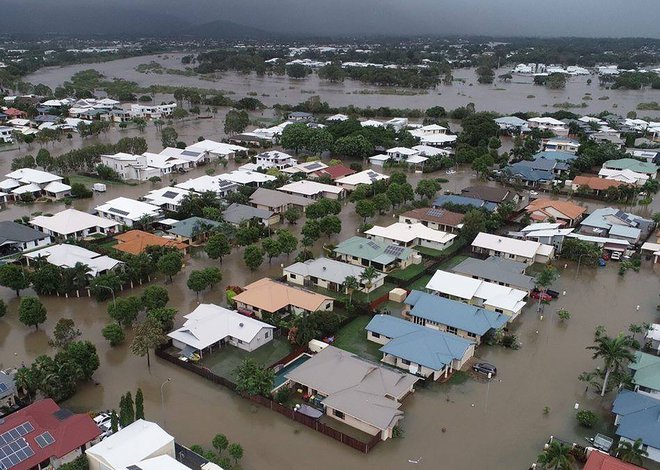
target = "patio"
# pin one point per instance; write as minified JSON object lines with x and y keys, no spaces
{"x":223,"y":362}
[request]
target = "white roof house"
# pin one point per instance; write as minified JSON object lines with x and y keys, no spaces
{"x":127,"y":211}
{"x":415,"y":234}
{"x":194,"y":157}
{"x":274,"y":159}
{"x":217,"y":184}
{"x":313,"y":189}
{"x":431,"y":129}
{"x":526,"y":251}
{"x":330,"y":271}
{"x":625,"y":176}
{"x":474,"y":291}
{"x":162,"y":462}
{"x":372,"y":123}
{"x":131,"y":445}
{"x":72,"y":223}
{"x":216,"y":149}
{"x":30,"y":175}
{"x":247,"y":178}
{"x":29,"y":180}
{"x":169,"y":197}
{"x":306,"y":168}
{"x":350,"y":182}
{"x":337,"y":117}
{"x":67,"y":256}
{"x":548,"y":123}
{"x":428,"y":151}
{"x":209,"y":324}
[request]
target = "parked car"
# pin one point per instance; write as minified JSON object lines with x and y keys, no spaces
{"x":485,"y":368}
{"x":615,"y":256}
{"x":451,"y":172}
{"x":552,"y":293}
{"x":103,"y":420}
{"x":544,"y":297}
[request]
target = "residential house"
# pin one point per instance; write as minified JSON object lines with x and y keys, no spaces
{"x":644,"y":154}
{"x":330,"y":274}
{"x":35,"y":182}
{"x":74,"y":224}
{"x":160,"y":111}
{"x":557,"y":155}
{"x":334,"y":172}
{"x":550,"y":124}
{"x":439,"y":313}
{"x":624,"y":176}
{"x":168,"y":197}
{"x":552,"y":210}
{"x":167,"y":164}
{"x":337,"y":118}
{"x":309,"y":169}
{"x":422,"y":351}
{"x":67,"y":256}
{"x":43,"y":435}
{"x":497,"y":270}
{"x":559,"y":144}
{"x":465,"y":289}
{"x":274,"y":159}
{"x":512,"y":125}
{"x":350,"y":182}
{"x":193,"y":157}
{"x":277,"y":201}
{"x":216,"y":150}
{"x":399,"y":155}
{"x":544,"y":233}
{"x":649,"y":169}
{"x":411,"y":235}
{"x":248,"y":178}
{"x":385,"y":257}
{"x":525,"y":251}
{"x":313,"y":190}
{"x":428,"y":151}
{"x":128,"y":211}
{"x":536,"y":172}
{"x":136,"y":242}
{"x":353,"y":391}
{"x":437,"y":219}
{"x":614,"y":223}
{"x":131,"y":445}
{"x":193,"y":230}
{"x":371,"y":123}
{"x":636,"y":417}
{"x":130,"y":167}
{"x":613,"y":138}
{"x":210,"y":327}
{"x":217,"y":184}
{"x":8,"y":390}
{"x":430,"y":129}
{"x":15,"y":238}
{"x":236,"y":214}
{"x":652,"y":336}
{"x":646,"y":374}
{"x":450,"y":200}
{"x":397,"y":123}
{"x":300,"y":116}
{"x":13,"y":113}
{"x":276,"y":298}
{"x":6,"y":136}
{"x":494,"y":194}
{"x":594,"y":184}
{"x":598,"y":460}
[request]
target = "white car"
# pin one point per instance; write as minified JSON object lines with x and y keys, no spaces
{"x":616,"y":256}
{"x":451,"y":172}
{"x":103,"y":420}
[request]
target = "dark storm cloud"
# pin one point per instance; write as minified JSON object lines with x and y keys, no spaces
{"x":367,"y":17}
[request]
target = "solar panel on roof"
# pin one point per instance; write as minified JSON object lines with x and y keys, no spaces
{"x":189,"y":153}
{"x":44,"y":439}
{"x":394,"y":250}
{"x":14,"y":453}
{"x":3,"y":388}
{"x":435,"y":212}
{"x":170,"y":194}
{"x":62,"y":414}
{"x":373,"y":245}
{"x":314,"y":166}
{"x":117,"y":211}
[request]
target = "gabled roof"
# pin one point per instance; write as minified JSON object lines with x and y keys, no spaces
{"x":187,"y":227}
{"x":329,"y":270}
{"x":131,"y":444}
{"x":209,"y":324}
{"x":647,"y":370}
{"x":166,"y":195}
{"x":438,"y":216}
{"x":129,"y":208}
{"x":496,"y":194}
{"x":424,"y":346}
{"x":30,"y":175}
{"x":601,"y":461}
{"x":336,"y":171}
{"x":632,"y":164}
{"x":137,"y":241}
{"x":276,"y":199}
{"x":247,"y":177}
{"x":70,"y":221}
{"x":66,"y":256}
{"x":363,"y":177}
{"x":639,"y":417}
{"x":372,"y":250}
{"x":549,"y":206}
{"x":310,"y":188}
{"x":11,"y":232}
{"x":68,"y":432}
{"x":236,"y":213}
{"x":464,"y":201}
{"x":273,"y":296}
{"x":406,"y":233}
{"x":596,"y":183}
{"x":524,"y":248}
{"x":497,"y":269}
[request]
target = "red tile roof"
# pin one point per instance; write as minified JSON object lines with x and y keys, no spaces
{"x":137,"y":241}
{"x":600,"y":461}
{"x":439,"y":216}
{"x":70,"y":431}
{"x":595,"y":183}
{"x":336,"y":171}
{"x":13,"y":112}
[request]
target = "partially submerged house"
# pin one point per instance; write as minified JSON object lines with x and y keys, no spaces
{"x":193,"y":229}
{"x":383,"y":256}
{"x":354,"y":391}
{"x":470,"y":202}
{"x":614,"y":223}
{"x":136,"y":242}
{"x":128,"y":211}
{"x":525,"y":251}
{"x":495,"y":194}
{"x":313,"y":190}
{"x":329,"y":274}
{"x":460,"y":319}
{"x":169,"y":197}
{"x":217,"y":184}
{"x":236,"y":214}
{"x":411,"y":235}
{"x":648,"y":168}
{"x":210,"y":327}
{"x":437,"y":219}
{"x":75,"y":224}
{"x":624,"y":176}
{"x":594,"y":184}
{"x":368,"y":177}
{"x":646,"y":374}
{"x":37,"y":183}
{"x":16,"y":238}
{"x":278,"y":201}
{"x":422,"y":351}
{"x":497,"y":270}
{"x":67,"y":256}
{"x":636,"y":417}
{"x":266,"y":296}
{"x":552,"y":210}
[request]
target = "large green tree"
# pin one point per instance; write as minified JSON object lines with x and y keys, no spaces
{"x":217,"y":246}
{"x":253,"y":378}
{"x":14,"y":278}
{"x":148,"y":335}
{"x":31,"y":312}
{"x":170,"y":264}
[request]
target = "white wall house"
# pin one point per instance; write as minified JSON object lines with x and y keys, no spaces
{"x":547,"y":123}
{"x":313,"y":190}
{"x":127,"y":211}
{"x":152,"y":111}
{"x":411,"y":235}
{"x":169,"y":197}
{"x":525,"y":251}
{"x":74,"y":224}
{"x":329,"y":274}
{"x":5,"y":135}
{"x":36,"y":182}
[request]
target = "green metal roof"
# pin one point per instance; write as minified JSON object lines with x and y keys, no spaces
{"x":646,"y":370}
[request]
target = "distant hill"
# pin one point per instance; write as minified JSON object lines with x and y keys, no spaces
{"x":221,"y":29}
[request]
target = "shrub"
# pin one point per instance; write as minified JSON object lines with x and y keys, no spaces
{"x":586,"y":418}
{"x":114,"y":334}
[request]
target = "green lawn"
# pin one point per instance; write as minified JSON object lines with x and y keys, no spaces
{"x":89,"y":181}
{"x":408,"y":273}
{"x":420,"y":284}
{"x":224,"y":361}
{"x":353,"y":338}
{"x":373,"y":295}
{"x":430,"y":252}
{"x":451,"y":262}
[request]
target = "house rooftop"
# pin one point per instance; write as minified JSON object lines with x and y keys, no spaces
{"x":630,"y":164}
{"x":70,"y":221}
{"x":554,"y":208}
{"x":372,"y":250}
{"x":329,"y":270}
{"x":639,"y":417}
{"x":601,"y":461}
{"x":496,"y":194}
{"x":271,"y":296}
{"x":236,"y":213}
{"x":596,"y":183}
{"x":67,"y":256}
{"x":407,"y":233}
{"x":310,"y":188}
{"x":497,"y":269}
{"x":336,"y":171}
{"x":647,"y":370}
{"x":463,"y":201}
{"x":524,"y":248}
{"x":11,"y":232}
{"x":30,"y":175}
{"x":188,"y":227}
{"x":129,"y":208}
{"x":137,"y":241}
{"x":438,"y":216}
{"x":363,"y":177}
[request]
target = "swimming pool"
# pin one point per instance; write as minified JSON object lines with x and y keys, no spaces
{"x":280,"y":375}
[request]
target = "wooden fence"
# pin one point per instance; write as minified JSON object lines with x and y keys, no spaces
{"x":311,"y":423}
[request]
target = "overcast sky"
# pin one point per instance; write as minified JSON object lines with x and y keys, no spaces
{"x":593,"y":18}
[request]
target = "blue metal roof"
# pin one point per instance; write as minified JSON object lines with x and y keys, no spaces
{"x":464,"y":201}
{"x":418,"y":344}
{"x":525,"y":172}
{"x":558,"y":156}
{"x":455,"y":314}
{"x":639,"y":417}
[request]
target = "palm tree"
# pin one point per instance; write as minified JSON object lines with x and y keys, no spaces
{"x":368,"y":275}
{"x":614,"y":351}
{"x":556,"y":456}
{"x":350,"y":285}
{"x":80,"y":273}
{"x":632,"y":452}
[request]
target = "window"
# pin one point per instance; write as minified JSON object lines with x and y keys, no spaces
{"x":292,"y":276}
{"x":267,"y":335}
{"x":327,"y":306}
{"x":375,"y":335}
{"x":471,"y":335}
{"x":239,"y":341}
{"x":338,"y":414}
{"x":499,"y":310}
{"x":452,"y":330}
{"x":405,"y":362}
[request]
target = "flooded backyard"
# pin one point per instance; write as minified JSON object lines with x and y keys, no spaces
{"x":518,"y":95}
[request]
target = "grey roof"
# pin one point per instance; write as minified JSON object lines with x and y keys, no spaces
{"x":464,"y":201}
{"x":237,"y":213}
{"x":488,"y":193}
{"x":328,"y":270}
{"x":275,"y":199}
{"x":639,"y":417}
{"x":11,"y":232}
{"x":496,"y":269}
{"x":186,"y":227}
{"x":524,"y":171}
{"x":7,"y":385}
{"x":609,"y":217}
{"x":418,"y":344}
{"x":448,"y":312}
{"x":373,"y":250}
{"x":355,"y":386}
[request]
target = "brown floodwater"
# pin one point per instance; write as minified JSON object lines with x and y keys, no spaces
{"x":518,"y":95}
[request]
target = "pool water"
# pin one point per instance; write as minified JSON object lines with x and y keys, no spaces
{"x":280,"y":376}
